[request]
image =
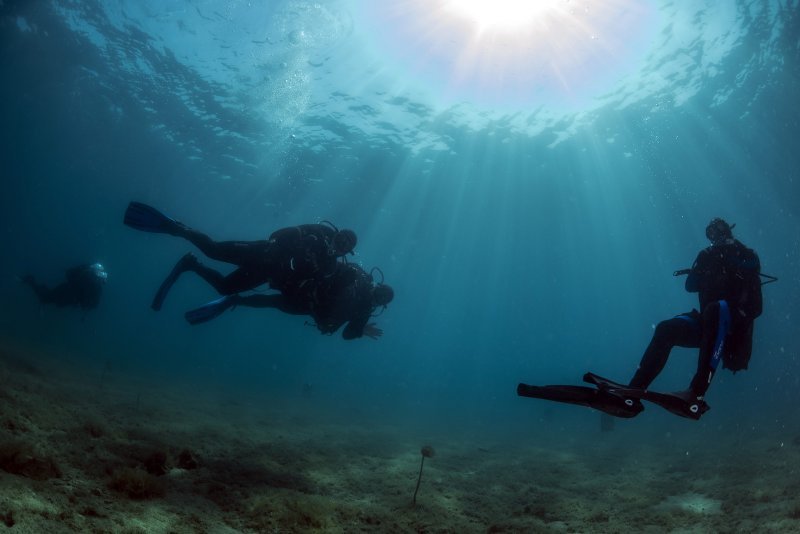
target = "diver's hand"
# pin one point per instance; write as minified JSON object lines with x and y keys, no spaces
{"x":372,"y":331}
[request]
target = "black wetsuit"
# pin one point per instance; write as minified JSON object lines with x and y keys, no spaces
{"x":726,"y":273}
{"x":343,"y":297}
{"x":289,"y":257}
{"x":81,"y":289}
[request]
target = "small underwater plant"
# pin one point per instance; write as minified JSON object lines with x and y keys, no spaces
{"x":156,"y":463}
{"x":25,"y":459}
{"x":187,"y":460}
{"x":136,"y":484}
{"x":94,"y":428}
{"x":426,"y":452}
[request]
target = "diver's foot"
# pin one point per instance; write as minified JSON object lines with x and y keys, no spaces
{"x":696,"y":406}
{"x":186,"y":263}
{"x":635,"y":404}
{"x":688,"y":395}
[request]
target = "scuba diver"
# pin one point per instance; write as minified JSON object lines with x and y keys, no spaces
{"x":289,"y":257}
{"x":727,"y":277}
{"x":81,"y":288}
{"x":349,"y":296}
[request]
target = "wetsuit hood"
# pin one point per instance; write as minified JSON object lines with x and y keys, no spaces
{"x":719,"y":231}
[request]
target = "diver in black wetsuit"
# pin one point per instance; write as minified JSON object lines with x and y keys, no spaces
{"x":289,"y":257}
{"x":348,"y":295}
{"x":726,"y":276}
{"x":81,"y":288}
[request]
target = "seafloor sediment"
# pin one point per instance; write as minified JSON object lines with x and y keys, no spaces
{"x":80,"y":453}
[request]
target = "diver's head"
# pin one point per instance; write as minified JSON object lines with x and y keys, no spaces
{"x":99,"y":271}
{"x":382,"y":294}
{"x":719,"y":232}
{"x":344,"y":241}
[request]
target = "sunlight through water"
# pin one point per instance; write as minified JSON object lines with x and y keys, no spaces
{"x":502,"y":15}
{"x":299,"y":65}
{"x":512,"y":54}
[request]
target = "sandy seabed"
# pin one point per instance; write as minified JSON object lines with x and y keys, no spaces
{"x":80,"y":452}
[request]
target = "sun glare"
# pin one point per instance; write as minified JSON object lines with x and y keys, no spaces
{"x":502,"y":15}
{"x":504,"y":52}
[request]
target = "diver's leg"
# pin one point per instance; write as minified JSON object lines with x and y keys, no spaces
{"x":681,"y":331}
{"x":64,"y":294}
{"x":148,"y":219}
{"x":277,"y":301}
{"x":260,"y":301}
{"x":245,"y":278}
{"x":715,"y":324}
{"x":235,"y":252}
{"x":215,"y":308}
{"x":43,"y":293}
{"x":242,"y":279}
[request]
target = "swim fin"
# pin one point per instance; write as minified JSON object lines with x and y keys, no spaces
{"x":184,"y":264}
{"x":209,"y":311}
{"x":148,"y":219}
{"x":596,"y":398}
{"x":682,"y":403}
{"x":614,"y":387}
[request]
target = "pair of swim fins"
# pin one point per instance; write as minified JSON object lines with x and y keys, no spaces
{"x":148,"y":219}
{"x":616,"y":399}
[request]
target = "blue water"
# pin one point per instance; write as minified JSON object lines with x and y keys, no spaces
{"x":529,"y":237}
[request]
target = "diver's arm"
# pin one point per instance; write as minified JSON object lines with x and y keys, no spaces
{"x":372,"y":331}
{"x":356,"y":327}
{"x":750,"y":303}
{"x":697,"y":274}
